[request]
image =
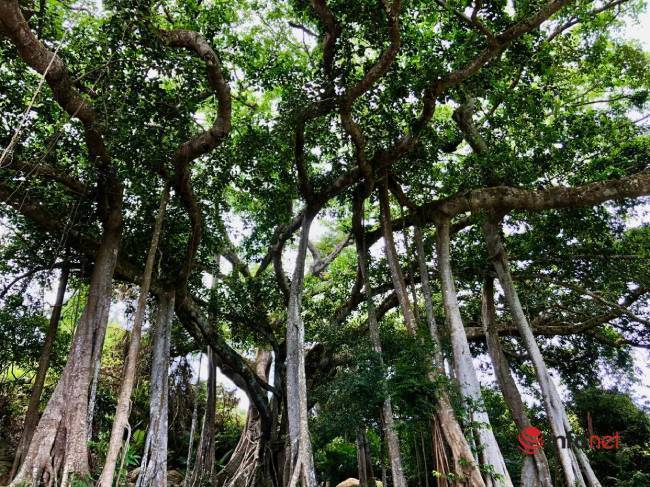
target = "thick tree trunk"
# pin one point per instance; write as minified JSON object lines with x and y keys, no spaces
{"x":463,"y":458}
{"x":202,"y":471}
{"x":575,"y":465}
{"x":246,"y":465}
{"x":153,"y":471}
{"x":302,"y":462}
{"x":535,"y":470}
{"x":31,"y":417}
{"x":388,"y":423}
{"x":59,"y":442}
{"x":463,"y":365}
{"x":123,"y":407}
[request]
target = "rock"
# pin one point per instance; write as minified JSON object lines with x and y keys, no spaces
{"x":355,"y":483}
{"x":349,"y":483}
{"x":133,"y":475}
{"x":174,"y":478}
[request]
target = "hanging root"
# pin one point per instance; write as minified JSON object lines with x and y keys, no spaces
{"x":244,"y":464}
{"x":440,"y":454}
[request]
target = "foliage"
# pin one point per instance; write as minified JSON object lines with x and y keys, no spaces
{"x":556,"y":108}
{"x":631,"y":463}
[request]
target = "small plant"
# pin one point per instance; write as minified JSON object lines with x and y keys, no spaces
{"x":80,"y":481}
{"x":451,"y":477}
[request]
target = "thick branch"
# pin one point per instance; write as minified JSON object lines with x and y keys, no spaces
{"x":200,"y":144}
{"x":48,"y":64}
{"x":386,"y":157}
{"x":504,"y":198}
{"x":329,"y":40}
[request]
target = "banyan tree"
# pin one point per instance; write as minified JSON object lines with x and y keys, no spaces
{"x":414,"y":228}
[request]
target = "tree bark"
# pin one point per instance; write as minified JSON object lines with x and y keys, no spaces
{"x":96,"y":361}
{"x":369,"y":468}
{"x":463,"y":366}
{"x":123,"y":406}
{"x":388,"y":424}
{"x":202,"y":471}
{"x":195,"y":412}
{"x":302,"y":462}
{"x":31,"y":417}
{"x":463,"y":458}
{"x":575,"y":466}
{"x":535,"y":471}
{"x":364,"y":462}
{"x":153,"y":471}
{"x":246,"y":466}
{"x":60,"y":439}
{"x":393,"y":261}
{"x":361,"y":459}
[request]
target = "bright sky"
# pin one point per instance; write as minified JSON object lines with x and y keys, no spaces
{"x":641,"y":30}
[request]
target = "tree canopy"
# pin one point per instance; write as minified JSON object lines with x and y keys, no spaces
{"x":346,"y":181}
